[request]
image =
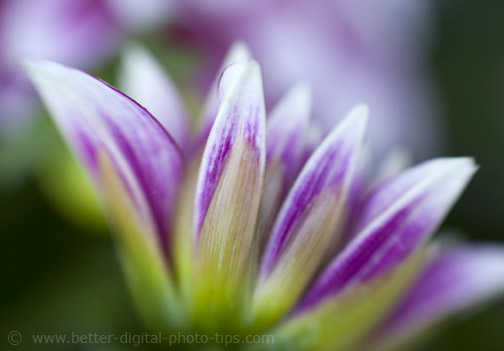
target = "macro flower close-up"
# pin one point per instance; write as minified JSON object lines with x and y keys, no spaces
{"x":276,"y":176}
{"x":248,"y":226}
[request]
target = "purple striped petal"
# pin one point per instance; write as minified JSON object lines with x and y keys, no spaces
{"x":395,"y":161}
{"x":397,"y":218}
{"x":144,"y":265}
{"x":457,"y":279}
{"x":228,"y":196}
{"x":238,"y":52}
{"x":330,"y":169}
{"x":143,"y":79}
{"x":95,"y":117}
{"x":342,"y":323}
{"x":312,"y":139}
{"x":356,"y":197}
{"x":241,"y":116}
{"x":310,"y":215}
{"x":286,"y":128}
{"x":285,"y":145}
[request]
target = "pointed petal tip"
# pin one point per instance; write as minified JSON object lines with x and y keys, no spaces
{"x":462,"y":168}
{"x":300,"y":98}
{"x":302,"y":93}
{"x":131,"y":47}
{"x":143,"y":77}
{"x":363,"y":107}
{"x":239,"y":50}
{"x":354,"y":124}
{"x":359,"y":114}
{"x":291,"y":111}
{"x":236,"y":62}
{"x":467,"y":162}
{"x":37,"y":68}
{"x":131,"y":53}
{"x":238,"y":71}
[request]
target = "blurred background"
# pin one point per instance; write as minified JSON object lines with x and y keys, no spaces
{"x":433,"y":75}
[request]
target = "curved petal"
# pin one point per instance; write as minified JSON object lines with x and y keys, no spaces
{"x":456,"y":280}
{"x":228,"y":195}
{"x":147,"y":274}
{"x":94,"y":117}
{"x":238,"y":52}
{"x":285,"y":133}
{"x":355,"y":201}
{"x":343,"y":322}
{"x":143,"y":79}
{"x":396,"y":220}
{"x":308,"y":219}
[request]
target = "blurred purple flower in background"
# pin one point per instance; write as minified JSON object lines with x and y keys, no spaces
{"x":76,"y":32}
{"x":81,"y":33}
{"x":347,"y":51}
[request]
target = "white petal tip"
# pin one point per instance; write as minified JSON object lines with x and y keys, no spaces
{"x":355,"y":122}
{"x":133,"y":53}
{"x":462,"y":166}
{"x":300,"y":96}
{"x":360,"y":113}
{"x":36,"y":67}
{"x":237,"y":74}
{"x":239,"y":51}
{"x":45,"y":73}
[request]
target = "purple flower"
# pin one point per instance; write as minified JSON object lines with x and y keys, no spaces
{"x":228,"y":226}
{"x":80,"y":33}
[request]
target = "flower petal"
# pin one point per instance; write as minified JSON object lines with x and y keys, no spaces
{"x":356,"y":197}
{"x":313,"y":136}
{"x":228,"y":192}
{"x":94,"y":116}
{"x":146,"y":271}
{"x":143,"y":78}
{"x":238,"y":52}
{"x":194,"y":150}
{"x":286,"y":127}
{"x":285,"y":133}
{"x":308,"y":219}
{"x":397,"y":218}
{"x":136,"y":17}
{"x":456,"y":280}
{"x":343,"y":322}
